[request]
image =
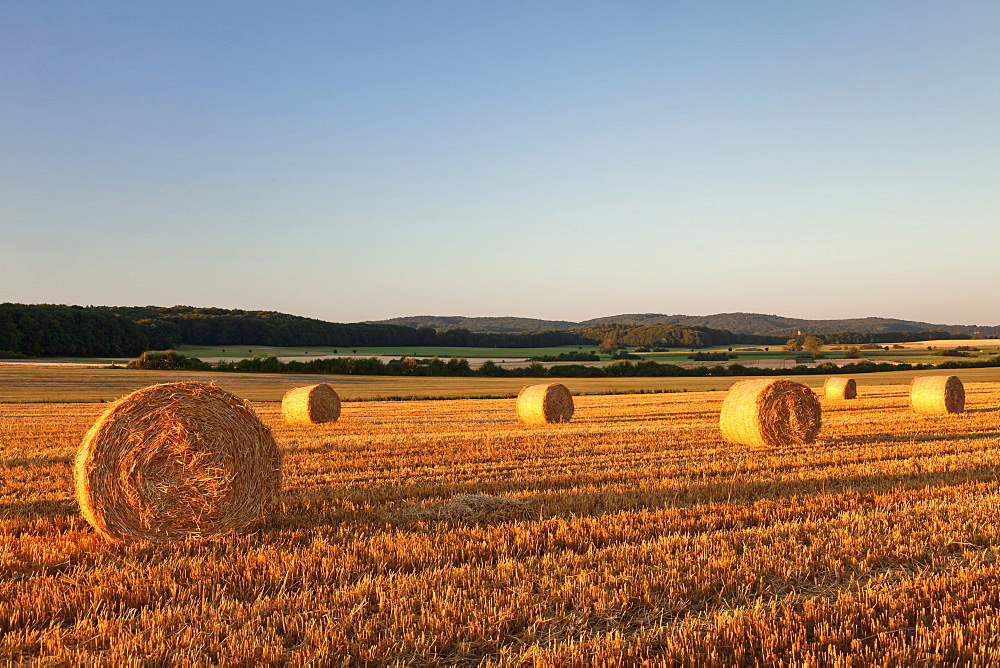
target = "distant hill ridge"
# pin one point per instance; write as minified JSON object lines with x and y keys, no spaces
{"x":45,"y":330}
{"x":742,"y":323}
{"x":497,"y":324}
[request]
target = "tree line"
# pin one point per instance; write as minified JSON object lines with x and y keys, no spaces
{"x":671,"y":336}
{"x":896,"y":337}
{"x":410,"y":366}
{"x":42,"y":330}
{"x":45,"y":330}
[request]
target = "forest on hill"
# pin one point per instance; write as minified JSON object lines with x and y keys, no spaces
{"x":46,"y":330}
{"x":503,"y":324}
{"x":773,"y":325}
{"x":41,"y":330}
{"x":737,"y":323}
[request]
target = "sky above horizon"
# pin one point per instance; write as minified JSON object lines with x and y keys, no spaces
{"x":556,"y":160}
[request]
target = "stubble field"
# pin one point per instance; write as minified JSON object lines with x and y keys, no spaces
{"x":442,"y":532}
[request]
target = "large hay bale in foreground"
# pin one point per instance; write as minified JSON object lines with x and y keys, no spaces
{"x":837,"y":387}
{"x":313,"y":404}
{"x":175,"y":461}
{"x":770,"y":413}
{"x":937,"y":394}
{"x":544,"y":404}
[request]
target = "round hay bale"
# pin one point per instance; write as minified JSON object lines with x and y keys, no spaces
{"x":837,"y":387}
{"x":937,"y":394}
{"x":313,"y":404}
{"x":544,"y":404}
{"x":175,"y":461}
{"x":770,"y":413}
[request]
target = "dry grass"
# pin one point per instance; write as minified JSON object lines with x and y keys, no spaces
{"x":632,"y":533}
{"x":951,"y":343}
{"x":31,"y":384}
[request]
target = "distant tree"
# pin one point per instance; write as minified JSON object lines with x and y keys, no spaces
{"x":813,"y":344}
{"x":793,"y":345}
{"x":162,"y":334}
{"x":712,"y":357}
{"x":609,"y":344}
{"x":167,"y":361}
{"x":852,"y":352}
{"x":490,"y":368}
{"x":537,"y":369}
{"x":435,"y":366}
{"x":458,"y":366}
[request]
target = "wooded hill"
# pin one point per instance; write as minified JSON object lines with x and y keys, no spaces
{"x":737,"y":323}
{"x":45,"y":330}
{"x":41,"y":330}
{"x":508,"y":324}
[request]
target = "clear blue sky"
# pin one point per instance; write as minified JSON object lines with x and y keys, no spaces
{"x":562,"y":160}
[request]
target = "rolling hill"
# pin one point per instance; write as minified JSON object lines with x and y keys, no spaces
{"x":743,"y":323}
{"x":498,"y":324}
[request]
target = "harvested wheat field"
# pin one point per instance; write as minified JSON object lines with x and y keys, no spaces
{"x":444,"y":532}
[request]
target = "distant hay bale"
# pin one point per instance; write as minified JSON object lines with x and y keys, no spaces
{"x":544,"y":404}
{"x":770,"y":413}
{"x":937,"y":394}
{"x":837,"y":387}
{"x":174,"y":461}
{"x":313,"y":404}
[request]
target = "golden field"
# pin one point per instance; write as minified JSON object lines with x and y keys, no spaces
{"x":28,"y":383}
{"x":443,"y":532}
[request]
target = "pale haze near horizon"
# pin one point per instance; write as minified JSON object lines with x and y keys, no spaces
{"x":552,"y":160}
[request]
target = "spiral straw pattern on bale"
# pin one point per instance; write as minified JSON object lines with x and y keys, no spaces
{"x":837,"y":387}
{"x":313,"y":404}
{"x":937,"y":395}
{"x":770,"y":413}
{"x":175,"y":461}
{"x":544,"y":404}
